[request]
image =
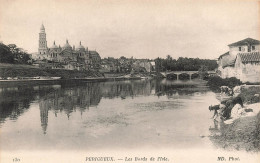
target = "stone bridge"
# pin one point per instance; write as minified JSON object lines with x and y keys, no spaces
{"x":190,"y":73}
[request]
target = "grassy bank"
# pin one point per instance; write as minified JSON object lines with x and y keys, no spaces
{"x":243,"y":134}
{"x":14,"y":70}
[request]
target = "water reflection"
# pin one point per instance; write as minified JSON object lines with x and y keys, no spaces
{"x":15,"y":101}
{"x":69,"y":97}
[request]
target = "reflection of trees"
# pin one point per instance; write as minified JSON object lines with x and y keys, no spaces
{"x":14,"y":101}
{"x":70,"y":96}
{"x":126,"y":88}
{"x":172,"y":88}
{"x":67,"y":99}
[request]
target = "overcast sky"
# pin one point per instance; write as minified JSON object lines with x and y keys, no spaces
{"x":140,"y":28}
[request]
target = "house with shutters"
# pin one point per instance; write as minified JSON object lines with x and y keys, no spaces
{"x":241,"y":61}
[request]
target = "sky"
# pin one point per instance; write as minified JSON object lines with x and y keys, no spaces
{"x":138,"y":28}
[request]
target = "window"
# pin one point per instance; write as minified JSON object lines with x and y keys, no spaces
{"x":239,"y":48}
{"x":253,"y":47}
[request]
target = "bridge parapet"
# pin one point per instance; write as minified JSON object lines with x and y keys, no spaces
{"x":190,"y":73}
{"x":179,"y":72}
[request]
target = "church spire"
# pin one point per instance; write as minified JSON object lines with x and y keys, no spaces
{"x":42,"y":49}
{"x":42,"y":29}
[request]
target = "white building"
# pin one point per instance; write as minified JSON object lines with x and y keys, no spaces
{"x":247,"y":67}
{"x":241,"y":61}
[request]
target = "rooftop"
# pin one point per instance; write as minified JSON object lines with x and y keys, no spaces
{"x":249,"y":57}
{"x":67,"y":45}
{"x":93,"y":52}
{"x":220,"y":57}
{"x":227,"y":60}
{"x":246,"y":41}
{"x":80,"y":47}
{"x":54,"y":46}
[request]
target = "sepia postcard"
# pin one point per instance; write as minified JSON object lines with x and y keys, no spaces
{"x":129,"y":81}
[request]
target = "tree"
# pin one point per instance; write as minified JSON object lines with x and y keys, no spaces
{"x":19,"y":54}
{"x":203,"y":72}
{"x":6,"y":55}
{"x":122,"y":57}
{"x":158,"y":64}
{"x":168,"y":57}
{"x":184,"y":64}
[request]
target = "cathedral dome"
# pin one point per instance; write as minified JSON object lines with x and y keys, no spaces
{"x":80,"y":47}
{"x":54,"y":46}
{"x":67,"y":45}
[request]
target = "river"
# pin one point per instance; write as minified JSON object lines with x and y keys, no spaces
{"x":118,"y":115}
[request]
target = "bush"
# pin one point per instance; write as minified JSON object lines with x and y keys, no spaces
{"x":248,"y":95}
{"x":215,"y":82}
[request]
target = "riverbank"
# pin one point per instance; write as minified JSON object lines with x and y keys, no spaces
{"x":242,"y":131}
{"x":22,"y":73}
{"x":16,"y":71}
{"x":60,"y":81}
{"x":242,"y":134}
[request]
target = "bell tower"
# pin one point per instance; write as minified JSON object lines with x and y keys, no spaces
{"x":42,"y":50}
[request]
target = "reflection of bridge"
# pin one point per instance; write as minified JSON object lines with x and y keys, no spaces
{"x":190,"y":73}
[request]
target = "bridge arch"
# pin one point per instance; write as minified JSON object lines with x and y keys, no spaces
{"x":192,"y":74}
{"x":171,"y":76}
{"x":195,"y":75}
{"x":179,"y":74}
{"x":184,"y":76}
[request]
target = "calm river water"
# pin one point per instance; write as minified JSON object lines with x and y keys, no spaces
{"x":105,"y":115}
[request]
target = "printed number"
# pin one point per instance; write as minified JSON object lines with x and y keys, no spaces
{"x":16,"y":160}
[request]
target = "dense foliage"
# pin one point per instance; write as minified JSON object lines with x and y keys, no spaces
{"x":248,"y":95}
{"x":184,"y":64}
{"x":12,"y":54}
{"x":6,"y":55}
{"x":216,"y":82}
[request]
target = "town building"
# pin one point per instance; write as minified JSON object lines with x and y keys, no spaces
{"x":95,"y":60}
{"x":110,"y":64}
{"x":241,"y":61}
{"x":66,"y":57}
{"x":144,"y":64}
{"x":127,"y":65}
